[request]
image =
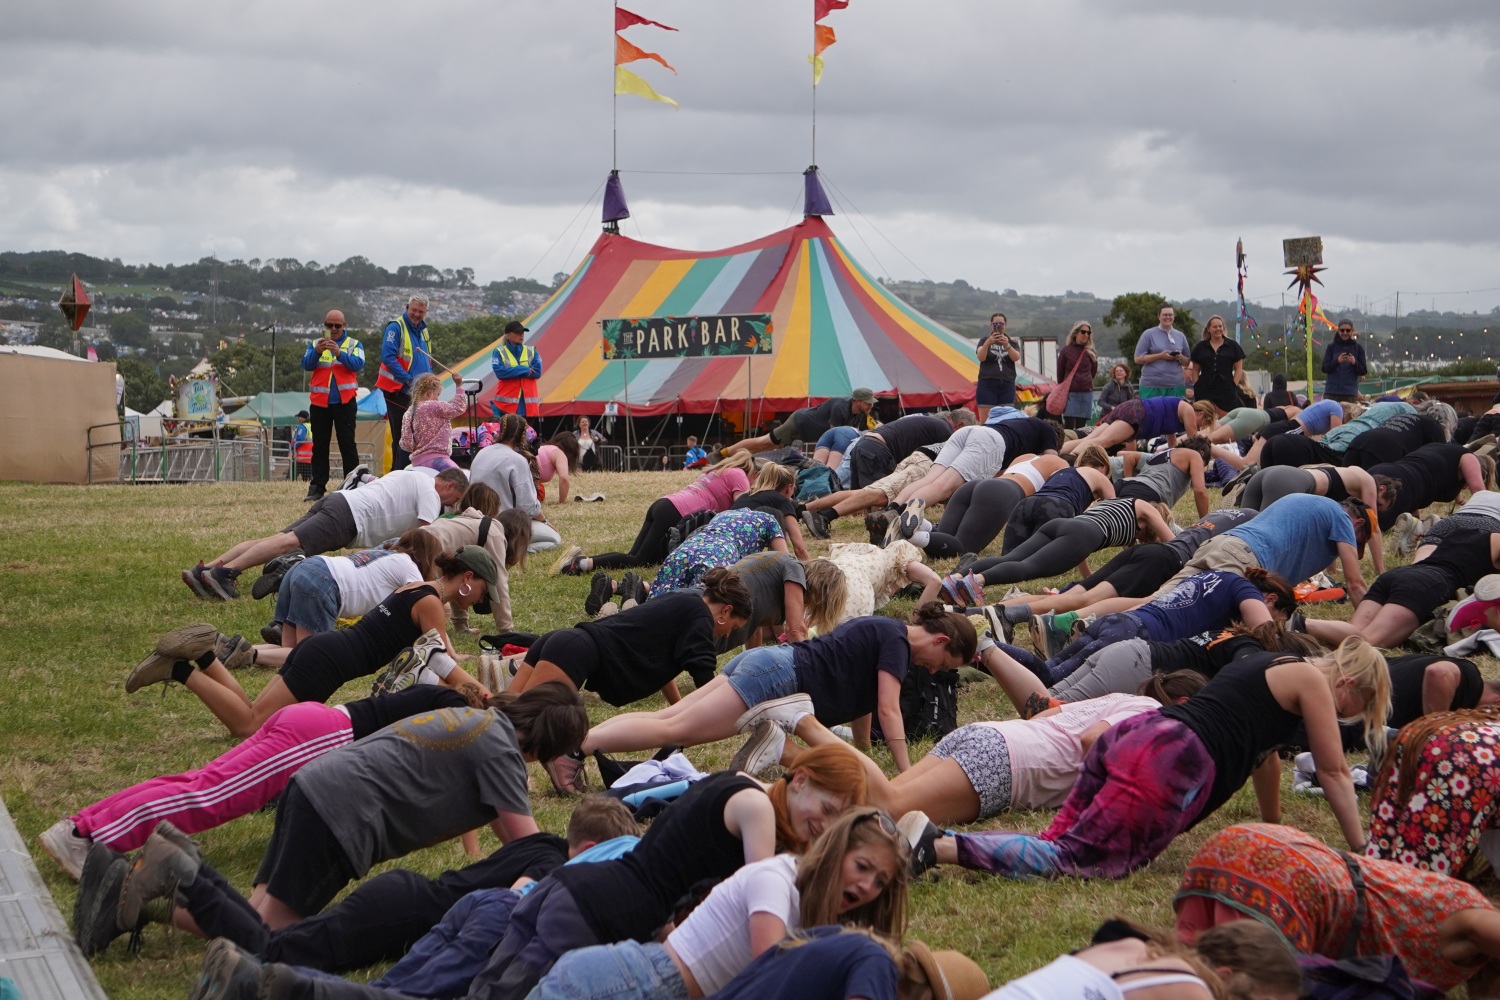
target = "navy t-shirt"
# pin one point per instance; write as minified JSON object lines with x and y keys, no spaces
{"x":1200,"y":604}
{"x":840,"y":670}
{"x":830,"y":966}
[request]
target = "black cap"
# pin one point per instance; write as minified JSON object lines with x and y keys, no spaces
{"x":303,"y":415}
{"x":516,"y":326}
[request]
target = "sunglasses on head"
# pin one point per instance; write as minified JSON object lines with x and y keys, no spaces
{"x":886,"y":824}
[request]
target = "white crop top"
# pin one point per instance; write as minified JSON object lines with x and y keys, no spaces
{"x":1070,"y":978}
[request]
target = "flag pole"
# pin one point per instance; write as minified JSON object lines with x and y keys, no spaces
{"x":814,"y":67}
{"x":614,"y":106}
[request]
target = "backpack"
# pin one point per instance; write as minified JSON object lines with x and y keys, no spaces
{"x":1377,"y":977}
{"x":816,"y":481}
{"x":929,"y":705}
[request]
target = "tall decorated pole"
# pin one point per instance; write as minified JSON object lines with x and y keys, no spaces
{"x":823,"y":37}
{"x":1242,"y":271}
{"x":627,"y":82}
{"x":1304,"y":261}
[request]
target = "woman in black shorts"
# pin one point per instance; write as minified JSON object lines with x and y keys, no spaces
{"x":1403,"y":598}
{"x":318,"y":666}
{"x":631,"y":655}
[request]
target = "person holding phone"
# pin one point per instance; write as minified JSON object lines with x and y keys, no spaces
{"x":998,"y":355}
{"x":1344,"y":364}
{"x":1162,"y":355}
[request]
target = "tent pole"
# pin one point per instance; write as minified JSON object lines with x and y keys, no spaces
{"x":625,"y":370}
{"x":749,"y":365}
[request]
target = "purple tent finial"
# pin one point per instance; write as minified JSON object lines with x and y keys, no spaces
{"x":615,"y":208}
{"x":814,"y":200}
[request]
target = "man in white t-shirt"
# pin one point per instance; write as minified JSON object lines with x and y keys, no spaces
{"x":362,"y":517}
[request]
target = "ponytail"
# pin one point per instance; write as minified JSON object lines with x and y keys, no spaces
{"x":963,"y":641}
{"x":722,"y":587}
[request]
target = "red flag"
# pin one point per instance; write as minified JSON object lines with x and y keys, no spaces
{"x":624,"y":18}
{"x":626,"y":52}
{"x":823,"y":37}
{"x":822,"y":8}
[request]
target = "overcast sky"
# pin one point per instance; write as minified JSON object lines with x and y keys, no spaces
{"x":1095,"y":145}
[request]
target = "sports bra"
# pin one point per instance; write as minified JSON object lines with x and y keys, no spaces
{"x":1073,"y":977}
{"x":1028,"y":471}
{"x":1336,"y":491}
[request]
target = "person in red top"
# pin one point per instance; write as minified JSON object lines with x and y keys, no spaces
{"x":335,"y":360}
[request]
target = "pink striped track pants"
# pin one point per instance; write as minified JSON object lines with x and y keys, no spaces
{"x":227,"y":787}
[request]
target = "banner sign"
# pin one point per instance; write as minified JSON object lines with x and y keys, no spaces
{"x":197,"y":399}
{"x":686,"y":337}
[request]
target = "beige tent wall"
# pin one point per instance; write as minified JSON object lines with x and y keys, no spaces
{"x":45,"y":412}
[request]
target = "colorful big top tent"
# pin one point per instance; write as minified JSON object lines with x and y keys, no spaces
{"x":834,"y":328}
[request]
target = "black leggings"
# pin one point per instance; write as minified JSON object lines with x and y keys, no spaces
{"x":974,"y":516}
{"x":1297,"y":449}
{"x":650,"y":546}
{"x":1054,"y":550}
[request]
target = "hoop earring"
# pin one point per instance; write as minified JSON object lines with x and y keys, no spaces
{"x":465,"y":590}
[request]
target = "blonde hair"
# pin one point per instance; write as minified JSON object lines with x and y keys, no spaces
{"x":1206,"y":411}
{"x":1210,"y":322}
{"x":1487,"y":469}
{"x":1356,"y":659}
{"x":427,"y":386}
{"x":820,"y":874}
{"x":774,"y":477}
{"x":1089,"y":347}
{"x":1092,"y":456}
{"x":1352,"y":411}
{"x":825,"y":595}
{"x":742,"y":460}
{"x":1148,"y":533}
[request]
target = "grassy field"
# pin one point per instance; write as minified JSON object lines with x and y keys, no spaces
{"x":89,"y":577}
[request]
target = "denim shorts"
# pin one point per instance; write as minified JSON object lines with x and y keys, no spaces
{"x":762,"y":674}
{"x":837,"y":439}
{"x":308,"y":597}
{"x":625,"y":971}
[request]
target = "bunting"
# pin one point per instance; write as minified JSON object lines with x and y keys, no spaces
{"x":625,"y":19}
{"x":823,"y":35}
{"x":626,"y":52}
{"x":627,"y":82}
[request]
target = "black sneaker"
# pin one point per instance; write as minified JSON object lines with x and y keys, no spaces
{"x":920,"y":835}
{"x":313,"y":494}
{"x":876,"y":524}
{"x":98,"y":908}
{"x":196,"y":582}
{"x":271,"y":633}
{"x":965,"y":562}
{"x":674,"y":537}
{"x":221,"y":582}
{"x":96,"y":862}
{"x":816,"y":523}
{"x":601,"y":589}
{"x":632,"y":588}
{"x":272,"y":573}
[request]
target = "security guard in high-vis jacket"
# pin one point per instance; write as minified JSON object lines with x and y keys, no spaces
{"x":404,"y":354}
{"x":517,"y":368}
{"x":335,"y":360}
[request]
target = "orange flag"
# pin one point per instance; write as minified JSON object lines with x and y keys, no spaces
{"x":823,"y":37}
{"x":626,"y":52}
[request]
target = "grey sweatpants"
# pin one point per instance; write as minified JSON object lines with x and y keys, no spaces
{"x":1119,"y":668}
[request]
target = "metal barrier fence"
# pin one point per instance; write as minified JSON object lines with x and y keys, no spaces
{"x":240,"y":459}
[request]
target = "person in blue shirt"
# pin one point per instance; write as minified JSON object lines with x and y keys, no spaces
{"x":517,"y":368}
{"x":1295,"y":537}
{"x":302,"y":446}
{"x":696,"y":457}
{"x":405,"y":353}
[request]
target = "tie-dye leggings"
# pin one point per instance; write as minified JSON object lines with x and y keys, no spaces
{"x":1145,"y":781}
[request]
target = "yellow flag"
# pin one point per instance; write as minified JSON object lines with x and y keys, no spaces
{"x":627,"y":82}
{"x":817,"y":65}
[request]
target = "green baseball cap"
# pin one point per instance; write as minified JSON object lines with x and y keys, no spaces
{"x":482,"y":564}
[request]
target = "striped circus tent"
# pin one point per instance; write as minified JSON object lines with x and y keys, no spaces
{"x":834,"y":328}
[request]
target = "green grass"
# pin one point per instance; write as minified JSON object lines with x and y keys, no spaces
{"x":90,"y":579}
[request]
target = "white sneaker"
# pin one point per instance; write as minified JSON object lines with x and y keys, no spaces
{"x":1404,"y":535}
{"x":761,"y":751}
{"x":65,"y":846}
{"x":785,"y":712}
{"x":844,"y":733}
